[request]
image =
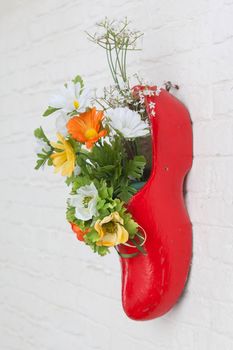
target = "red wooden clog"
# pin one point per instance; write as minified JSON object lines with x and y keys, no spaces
{"x":151,"y":284}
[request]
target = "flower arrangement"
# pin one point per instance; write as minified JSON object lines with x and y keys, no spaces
{"x":99,"y":147}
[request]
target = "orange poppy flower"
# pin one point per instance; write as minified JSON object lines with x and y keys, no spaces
{"x":79,"y":233}
{"x":87,"y":127}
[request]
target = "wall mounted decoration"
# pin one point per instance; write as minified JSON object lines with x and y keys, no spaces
{"x":124,"y":156}
{"x":152,"y":283}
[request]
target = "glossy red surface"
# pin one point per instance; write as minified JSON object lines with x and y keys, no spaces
{"x":152,"y":284}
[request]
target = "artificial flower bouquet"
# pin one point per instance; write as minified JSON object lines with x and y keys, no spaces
{"x":98,"y":148}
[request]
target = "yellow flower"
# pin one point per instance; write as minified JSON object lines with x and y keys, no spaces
{"x":111,"y":230}
{"x":64,"y":159}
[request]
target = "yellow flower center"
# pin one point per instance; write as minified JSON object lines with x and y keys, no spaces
{"x":109,"y":227}
{"x":76,"y":104}
{"x":91,"y":133}
{"x":86,"y":201}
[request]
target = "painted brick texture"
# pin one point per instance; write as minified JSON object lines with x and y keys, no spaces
{"x":54,"y":293}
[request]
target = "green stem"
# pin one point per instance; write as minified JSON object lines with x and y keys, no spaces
{"x":125,"y":56}
{"x":119,"y":63}
{"x":110,"y":66}
{"x":115,"y":72}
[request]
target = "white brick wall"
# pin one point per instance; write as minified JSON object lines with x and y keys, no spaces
{"x":54,"y":293}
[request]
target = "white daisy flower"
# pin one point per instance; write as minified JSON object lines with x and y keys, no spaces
{"x":72,"y":97}
{"x":127,"y":122}
{"x":85,"y":202}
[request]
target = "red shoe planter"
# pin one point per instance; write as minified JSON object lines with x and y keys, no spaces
{"x":152,"y":284}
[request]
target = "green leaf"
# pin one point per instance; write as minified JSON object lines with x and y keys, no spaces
{"x":139,"y":247}
{"x":39,"y":163}
{"x":124,"y":191}
{"x":69,"y":180}
{"x":102,"y":250}
{"x":135,"y":167}
{"x":50,"y":162}
{"x":118,"y":205}
{"x":41,"y":155}
{"x":124,"y":255}
{"x":70,"y":214}
{"x":39,"y":134}
{"x":130,"y":225}
{"x":78,"y":79}
{"x":105,"y":208}
{"x":101,"y":203}
{"x":43,"y":158}
{"x":127,"y":256}
{"x":80,"y":181}
{"x":91,"y":237}
{"x":105,"y":170}
{"x":104,"y":191}
{"x":45,"y":155}
{"x":106,"y":160}
{"x":49,"y":111}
